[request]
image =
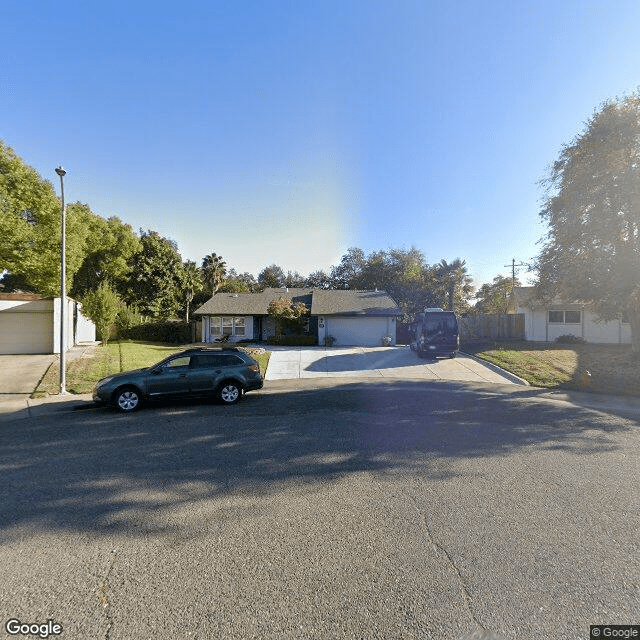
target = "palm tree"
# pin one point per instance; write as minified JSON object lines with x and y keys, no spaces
{"x":192,"y":282}
{"x":214,"y":269}
{"x":455,"y":283}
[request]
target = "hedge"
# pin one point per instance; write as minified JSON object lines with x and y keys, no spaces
{"x":161,"y":331}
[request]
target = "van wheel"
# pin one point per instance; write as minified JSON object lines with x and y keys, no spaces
{"x":229,"y":393}
{"x":127,"y":399}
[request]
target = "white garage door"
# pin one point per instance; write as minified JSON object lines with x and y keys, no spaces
{"x":362,"y":332}
{"x":26,"y":332}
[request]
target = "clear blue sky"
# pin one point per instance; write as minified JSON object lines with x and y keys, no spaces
{"x":287,"y":131}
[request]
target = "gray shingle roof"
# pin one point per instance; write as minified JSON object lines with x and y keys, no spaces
{"x":321,"y":302}
{"x":353,"y":303}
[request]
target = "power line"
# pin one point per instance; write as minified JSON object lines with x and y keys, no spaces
{"x":513,"y":266}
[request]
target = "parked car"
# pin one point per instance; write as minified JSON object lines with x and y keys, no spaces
{"x":435,"y":333}
{"x":224,"y":374}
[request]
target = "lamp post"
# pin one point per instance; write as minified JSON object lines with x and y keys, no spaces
{"x":63,"y":289}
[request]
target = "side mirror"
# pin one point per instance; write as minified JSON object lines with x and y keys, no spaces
{"x":157,"y":371}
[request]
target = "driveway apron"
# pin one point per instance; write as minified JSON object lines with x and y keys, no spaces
{"x":374,"y":362}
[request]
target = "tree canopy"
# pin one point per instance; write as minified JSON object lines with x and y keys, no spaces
{"x":591,"y":252}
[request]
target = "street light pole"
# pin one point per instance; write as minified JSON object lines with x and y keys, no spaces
{"x":63,"y":289}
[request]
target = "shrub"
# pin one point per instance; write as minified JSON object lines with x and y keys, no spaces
{"x":570,"y":339}
{"x":171,"y":332}
{"x":293,"y":341}
{"x":329,"y":341}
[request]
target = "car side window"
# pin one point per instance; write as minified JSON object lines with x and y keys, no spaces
{"x":211,"y":360}
{"x":183,"y":361}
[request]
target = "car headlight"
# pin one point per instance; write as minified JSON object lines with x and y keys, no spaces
{"x":104,"y":381}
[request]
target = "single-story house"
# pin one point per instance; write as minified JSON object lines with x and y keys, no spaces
{"x":362,"y":318}
{"x":30,"y":323}
{"x":544,"y":322}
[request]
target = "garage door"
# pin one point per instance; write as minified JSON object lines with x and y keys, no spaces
{"x":362,"y":332}
{"x":26,"y":332}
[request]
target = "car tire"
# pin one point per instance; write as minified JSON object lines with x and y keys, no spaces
{"x":229,"y":392}
{"x":127,"y":399}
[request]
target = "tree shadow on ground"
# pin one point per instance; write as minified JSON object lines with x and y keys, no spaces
{"x":391,"y":358}
{"x":100,"y":472}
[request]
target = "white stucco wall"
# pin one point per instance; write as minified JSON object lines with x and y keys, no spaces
{"x":538,"y":328}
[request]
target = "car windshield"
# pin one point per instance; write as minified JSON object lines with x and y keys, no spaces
{"x":444,"y":323}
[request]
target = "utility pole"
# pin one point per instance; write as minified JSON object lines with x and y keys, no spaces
{"x":513,"y":266}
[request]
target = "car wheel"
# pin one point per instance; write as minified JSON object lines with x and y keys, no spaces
{"x":229,"y":393}
{"x":127,"y":399}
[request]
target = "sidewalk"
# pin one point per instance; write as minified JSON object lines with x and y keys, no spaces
{"x":17,"y":403}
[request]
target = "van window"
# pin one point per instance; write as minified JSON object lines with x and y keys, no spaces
{"x":444,"y":323}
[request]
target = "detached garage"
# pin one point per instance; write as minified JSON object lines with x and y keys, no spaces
{"x":30,"y":323}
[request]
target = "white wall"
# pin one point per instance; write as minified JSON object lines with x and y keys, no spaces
{"x":537,"y":328}
{"x":85,"y":329}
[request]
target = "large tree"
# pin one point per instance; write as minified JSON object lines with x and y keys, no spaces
{"x":591,"y":252}
{"x":156,"y":283}
{"x":495,"y":297}
{"x":214,"y":269}
{"x":271,"y":276}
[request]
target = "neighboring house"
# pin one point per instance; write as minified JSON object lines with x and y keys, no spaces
{"x":546,"y":322}
{"x":30,"y":323}
{"x":362,"y":318}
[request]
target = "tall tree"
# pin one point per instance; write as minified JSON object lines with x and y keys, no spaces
{"x":271,"y":276}
{"x":110,"y":247}
{"x":213,"y":272}
{"x":191,"y":283}
{"x":30,"y":225}
{"x":453,"y":285}
{"x":155,"y":285}
{"x":235,"y":282}
{"x":347,"y":273}
{"x":591,"y":252}
{"x":496,"y":296}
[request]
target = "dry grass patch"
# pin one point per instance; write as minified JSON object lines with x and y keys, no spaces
{"x":612,"y":368}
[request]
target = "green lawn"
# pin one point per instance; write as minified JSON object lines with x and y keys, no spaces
{"x":83,"y":373}
{"x":612,"y":368}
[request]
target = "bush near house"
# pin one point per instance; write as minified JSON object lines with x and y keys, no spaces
{"x":168,"y":331}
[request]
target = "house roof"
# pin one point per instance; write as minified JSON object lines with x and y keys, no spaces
{"x":320,"y":301}
{"x":349,"y":302}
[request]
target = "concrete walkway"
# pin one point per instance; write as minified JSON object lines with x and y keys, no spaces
{"x":21,"y":374}
{"x":377,"y":362}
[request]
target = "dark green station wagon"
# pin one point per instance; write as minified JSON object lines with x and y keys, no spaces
{"x":224,"y":374}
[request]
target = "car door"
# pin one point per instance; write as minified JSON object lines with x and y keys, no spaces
{"x":208,"y":369}
{"x":170,"y":379}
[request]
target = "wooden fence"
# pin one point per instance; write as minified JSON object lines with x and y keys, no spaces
{"x":491,"y":326}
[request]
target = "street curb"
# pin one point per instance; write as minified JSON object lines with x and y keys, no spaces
{"x":499,"y":370}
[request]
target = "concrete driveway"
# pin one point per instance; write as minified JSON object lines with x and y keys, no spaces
{"x":377,"y":362}
{"x":20,"y":374}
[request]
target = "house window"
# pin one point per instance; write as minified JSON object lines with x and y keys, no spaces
{"x":564,"y":317}
{"x":226,"y":326}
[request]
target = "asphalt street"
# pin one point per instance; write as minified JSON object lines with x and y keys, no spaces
{"x":326,"y":508}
